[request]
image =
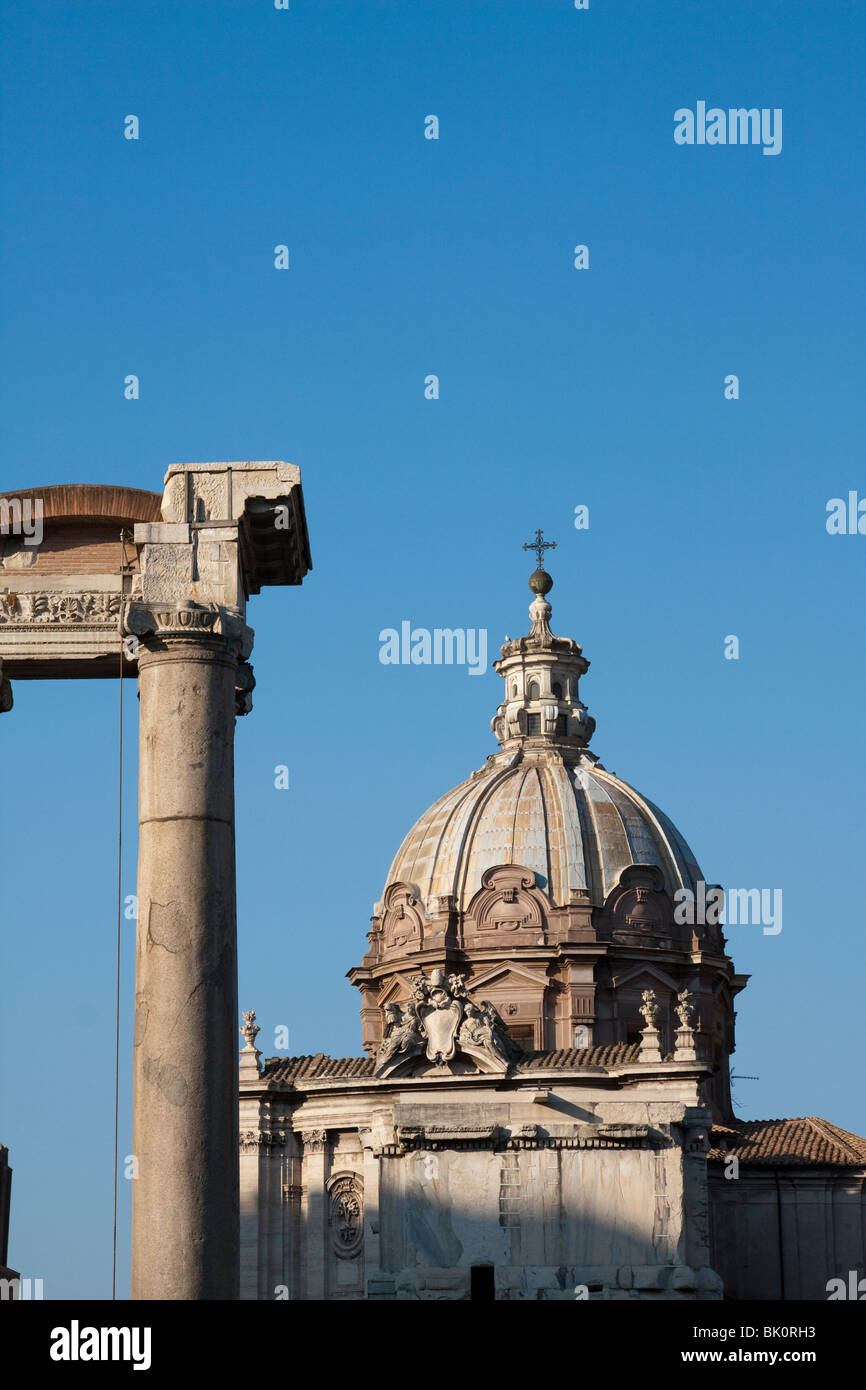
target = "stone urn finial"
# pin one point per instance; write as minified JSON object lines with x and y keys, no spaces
{"x":250,"y":1029}
{"x":684,"y":1050}
{"x":649,"y":1009}
{"x":250,"y":1069}
{"x":649,"y":1043}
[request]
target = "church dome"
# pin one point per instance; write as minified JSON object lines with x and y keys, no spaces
{"x":547,"y":886}
{"x":570,"y":820}
{"x":545,"y":802}
{"x":548,"y":889}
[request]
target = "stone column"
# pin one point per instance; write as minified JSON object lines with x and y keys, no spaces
{"x":185,"y":1136}
{"x":315,"y":1142}
{"x":219,"y":533}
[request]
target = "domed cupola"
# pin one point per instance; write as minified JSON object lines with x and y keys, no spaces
{"x":552,"y":885}
{"x":541,"y":674}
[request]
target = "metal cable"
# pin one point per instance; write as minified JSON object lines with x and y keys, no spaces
{"x":119,"y":919}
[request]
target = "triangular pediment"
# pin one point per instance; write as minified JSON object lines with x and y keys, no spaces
{"x":645,"y":971}
{"x":399,"y":986}
{"x":498,"y":973}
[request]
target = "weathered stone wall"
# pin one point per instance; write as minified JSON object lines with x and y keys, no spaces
{"x":399,"y":1195}
{"x":784,"y":1233}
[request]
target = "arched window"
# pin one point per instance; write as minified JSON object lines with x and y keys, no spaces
{"x":557,"y":690}
{"x":533,"y":693}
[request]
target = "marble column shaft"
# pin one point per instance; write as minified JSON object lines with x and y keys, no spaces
{"x":185,"y":1137}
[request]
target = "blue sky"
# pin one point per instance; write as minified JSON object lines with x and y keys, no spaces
{"x":557,"y":387}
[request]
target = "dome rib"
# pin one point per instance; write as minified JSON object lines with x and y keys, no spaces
{"x":668,"y":841}
{"x":565,"y":843}
{"x":438,"y":881}
{"x":575,"y":826}
{"x":469,"y":859}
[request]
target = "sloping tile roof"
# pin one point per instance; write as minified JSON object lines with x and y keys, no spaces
{"x":316,"y":1068}
{"x":609,"y":1056}
{"x":320,"y":1067}
{"x":809,"y":1140}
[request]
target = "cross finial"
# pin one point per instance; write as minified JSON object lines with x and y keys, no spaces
{"x":539,"y":546}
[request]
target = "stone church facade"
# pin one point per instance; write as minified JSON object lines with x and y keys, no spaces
{"x":543,"y":1109}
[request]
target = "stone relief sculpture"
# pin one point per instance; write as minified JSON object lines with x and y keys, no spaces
{"x":404,"y":1038}
{"x":442,"y":1020}
{"x":346,"y":1217}
{"x":102,"y":609}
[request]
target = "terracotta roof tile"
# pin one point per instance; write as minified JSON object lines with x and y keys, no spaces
{"x":613,"y":1054}
{"x":321,"y":1068}
{"x":807,"y":1140}
{"x":316,"y":1068}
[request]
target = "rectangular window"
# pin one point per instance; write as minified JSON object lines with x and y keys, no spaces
{"x":523,"y":1033}
{"x":533,"y":723}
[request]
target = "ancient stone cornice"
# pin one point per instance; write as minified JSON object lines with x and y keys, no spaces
{"x":261,"y":499}
{"x":616,"y":1076}
{"x":411,"y":1138}
{"x":564,"y":942}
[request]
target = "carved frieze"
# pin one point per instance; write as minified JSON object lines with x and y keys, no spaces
{"x":63,"y":609}
{"x":498,"y":1138}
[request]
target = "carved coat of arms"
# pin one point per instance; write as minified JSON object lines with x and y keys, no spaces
{"x":441,"y":1020}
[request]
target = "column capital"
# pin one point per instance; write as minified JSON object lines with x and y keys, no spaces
{"x":170,"y":630}
{"x":315,"y":1141}
{"x":186,"y":619}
